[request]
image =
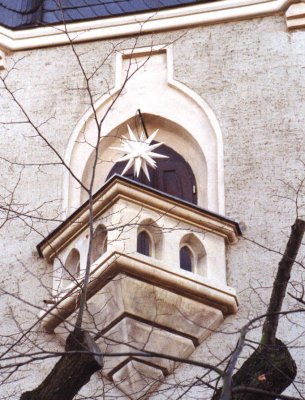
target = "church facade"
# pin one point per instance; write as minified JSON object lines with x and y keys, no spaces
{"x":166,"y":140}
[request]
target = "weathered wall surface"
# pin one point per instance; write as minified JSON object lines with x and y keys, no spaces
{"x":251,"y":73}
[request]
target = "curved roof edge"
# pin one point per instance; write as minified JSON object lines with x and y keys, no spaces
{"x":135,"y":24}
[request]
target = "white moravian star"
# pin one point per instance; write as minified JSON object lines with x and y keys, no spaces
{"x":138,"y":151}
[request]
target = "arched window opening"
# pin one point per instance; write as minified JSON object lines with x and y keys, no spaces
{"x":144,"y":244}
{"x":99,"y":242}
{"x":186,"y":259}
{"x":193,"y":255}
{"x":71,"y":268}
{"x":173,"y":176}
{"x":149,"y":238}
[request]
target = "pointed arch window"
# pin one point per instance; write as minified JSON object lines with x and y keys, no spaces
{"x":144,"y":244}
{"x":186,"y":259}
{"x":193,"y":255}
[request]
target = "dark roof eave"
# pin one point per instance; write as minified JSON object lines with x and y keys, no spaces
{"x":41,"y":22}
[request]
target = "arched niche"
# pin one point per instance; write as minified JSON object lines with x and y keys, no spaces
{"x":192,"y":248}
{"x":185,"y":120}
{"x":187,"y":259}
{"x":154,"y":235}
{"x":173,"y":175}
{"x":99,"y":242}
{"x":145,"y":244}
{"x":71,"y":268}
{"x":177,"y":141}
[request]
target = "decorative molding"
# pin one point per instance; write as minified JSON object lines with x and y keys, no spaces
{"x":213,"y":120}
{"x":180,"y":17}
{"x":122,"y":188}
{"x":295,"y":16}
{"x":146,"y":269}
{"x":160,"y":98}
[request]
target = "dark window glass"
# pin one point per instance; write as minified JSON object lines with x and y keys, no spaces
{"x":186,"y":259}
{"x":143,"y":244}
{"x":173,"y":175}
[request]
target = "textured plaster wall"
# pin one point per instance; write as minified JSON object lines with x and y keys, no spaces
{"x":251,"y":73}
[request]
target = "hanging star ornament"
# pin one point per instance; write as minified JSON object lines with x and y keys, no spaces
{"x":138,"y":151}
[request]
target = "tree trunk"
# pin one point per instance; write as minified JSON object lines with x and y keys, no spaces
{"x":271,"y":366}
{"x":281,"y":281}
{"x":71,"y":372}
{"x":272,"y":370}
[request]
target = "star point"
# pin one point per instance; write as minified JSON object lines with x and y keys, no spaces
{"x":138,"y":152}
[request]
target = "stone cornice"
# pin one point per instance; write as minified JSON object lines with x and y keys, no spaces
{"x":119,"y":187}
{"x":180,"y":17}
{"x":149,"y":270}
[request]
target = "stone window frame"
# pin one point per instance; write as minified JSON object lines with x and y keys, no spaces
{"x":198,"y":252}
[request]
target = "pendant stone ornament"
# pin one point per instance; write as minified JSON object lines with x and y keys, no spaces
{"x":138,"y":152}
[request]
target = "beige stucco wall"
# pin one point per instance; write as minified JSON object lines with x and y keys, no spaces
{"x":251,"y":73}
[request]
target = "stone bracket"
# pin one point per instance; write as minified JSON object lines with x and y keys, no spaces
{"x":295,"y":16}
